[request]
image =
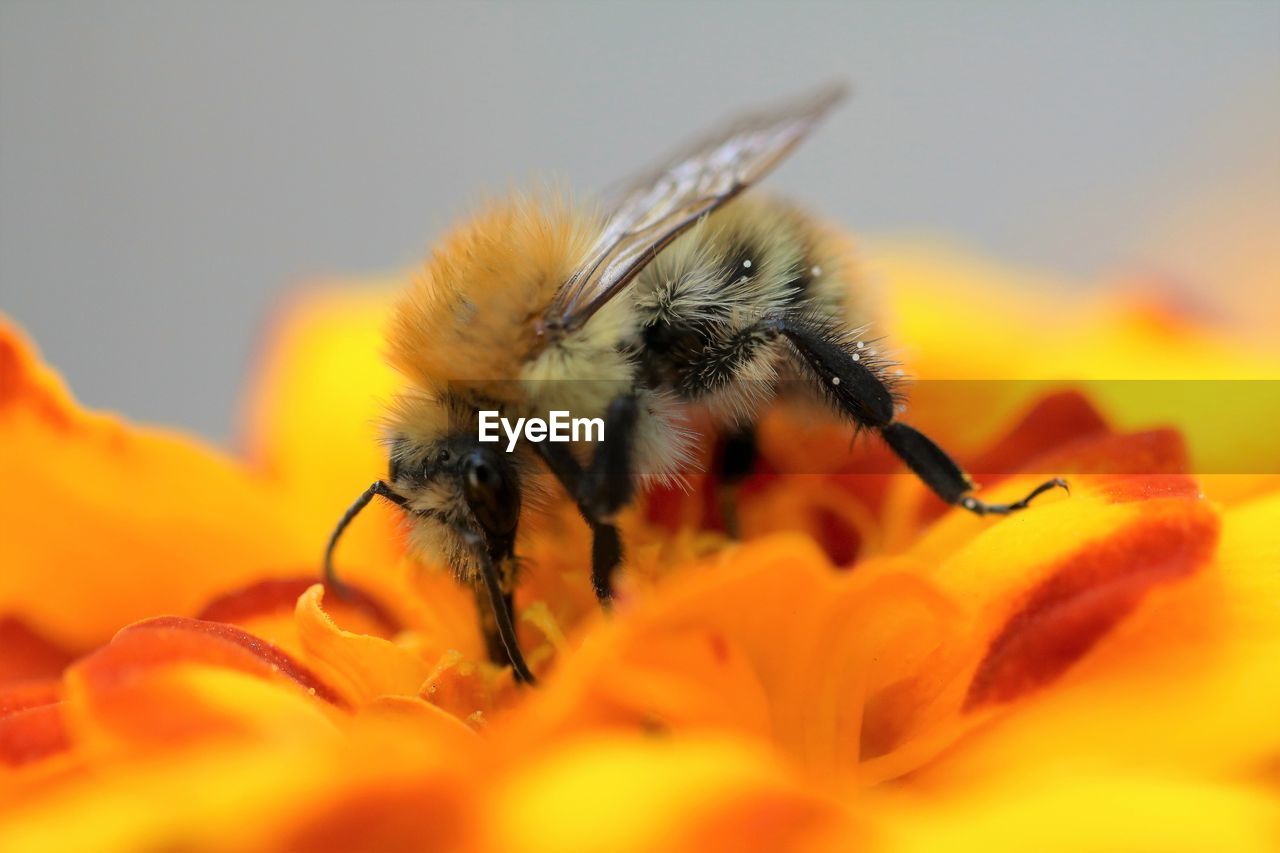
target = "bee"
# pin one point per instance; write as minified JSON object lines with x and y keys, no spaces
{"x":681,"y":296}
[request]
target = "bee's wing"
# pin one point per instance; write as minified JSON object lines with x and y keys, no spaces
{"x":658,"y":208}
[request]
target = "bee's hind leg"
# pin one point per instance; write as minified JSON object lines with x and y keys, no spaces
{"x":601,"y":489}
{"x":738,"y":454}
{"x":859,"y":392}
{"x":941,"y":474}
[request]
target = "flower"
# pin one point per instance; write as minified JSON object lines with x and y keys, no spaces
{"x":866,"y":668}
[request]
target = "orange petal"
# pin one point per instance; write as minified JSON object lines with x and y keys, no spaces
{"x":31,"y":723}
{"x":402,"y":783}
{"x":169,"y":680}
{"x":1187,"y":684}
{"x":1041,"y":590}
{"x":468,"y":690}
{"x":764,"y":640}
{"x":831,"y":509}
{"x":1086,"y":593}
{"x":26,"y":655}
{"x":266,"y":610}
{"x":114,"y":523}
{"x":369,"y":667}
{"x":282,"y":594}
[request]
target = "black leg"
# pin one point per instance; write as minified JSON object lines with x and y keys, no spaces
{"x":493,"y":645}
{"x":500,"y":607}
{"x":848,"y":379}
{"x":979,"y":508}
{"x":856,"y":389}
{"x":608,"y":484}
{"x":737,"y":459}
{"x":601,"y":489}
{"x":940,"y":473}
{"x":606,"y":556}
{"x":606,"y":544}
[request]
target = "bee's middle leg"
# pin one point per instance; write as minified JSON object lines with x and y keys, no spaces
{"x":601,"y":489}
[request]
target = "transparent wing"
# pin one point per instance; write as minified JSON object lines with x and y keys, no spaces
{"x":658,"y":208}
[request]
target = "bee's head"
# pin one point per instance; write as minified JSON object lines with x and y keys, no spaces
{"x":456,"y":492}
{"x":461,"y":498}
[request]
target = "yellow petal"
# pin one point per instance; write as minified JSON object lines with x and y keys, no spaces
{"x":313,"y":412}
{"x":1075,"y":808}
{"x":636,"y":794}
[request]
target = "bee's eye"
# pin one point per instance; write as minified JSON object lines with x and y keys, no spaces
{"x":443,"y":456}
{"x":492,"y":492}
{"x":481,"y":476}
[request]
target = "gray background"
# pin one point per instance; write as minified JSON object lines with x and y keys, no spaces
{"x":168,"y":169}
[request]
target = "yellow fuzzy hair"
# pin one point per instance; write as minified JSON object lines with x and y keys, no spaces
{"x":470,"y":314}
{"x":422,"y":418}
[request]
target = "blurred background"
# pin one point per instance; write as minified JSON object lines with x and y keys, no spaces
{"x":169,"y":170}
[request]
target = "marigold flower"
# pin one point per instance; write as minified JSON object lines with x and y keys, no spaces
{"x":863,"y":669}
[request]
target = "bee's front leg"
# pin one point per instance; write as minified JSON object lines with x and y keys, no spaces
{"x":494,"y":645}
{"x":501,"y":637}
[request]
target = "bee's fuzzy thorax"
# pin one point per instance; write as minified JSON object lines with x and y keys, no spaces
{"x":469,"y":314}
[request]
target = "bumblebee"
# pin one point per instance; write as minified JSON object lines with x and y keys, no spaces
{"x":680,"y":297}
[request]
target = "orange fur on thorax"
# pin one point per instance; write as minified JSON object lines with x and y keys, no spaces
{"x":469,"y":316}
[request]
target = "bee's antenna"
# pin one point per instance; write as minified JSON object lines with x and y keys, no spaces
{"x":331,"y":576}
